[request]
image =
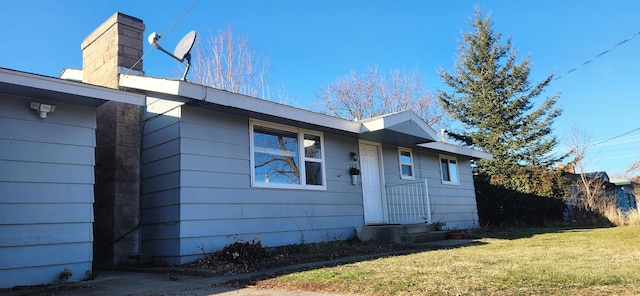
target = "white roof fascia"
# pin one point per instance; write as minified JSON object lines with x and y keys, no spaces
{"x":397,"y":122}
{"x":192,"y":91}
{"x":456,"y":149}
{"x":71,"y":74}
{"x":68,"y":87}
{"x":619,"y":182}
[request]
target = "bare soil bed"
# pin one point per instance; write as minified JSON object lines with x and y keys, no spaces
{"x":245,"y":257}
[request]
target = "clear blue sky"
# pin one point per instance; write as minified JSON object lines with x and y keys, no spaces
{"x":311,"y":43}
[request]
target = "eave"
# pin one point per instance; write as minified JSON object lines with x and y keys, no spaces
{"x":29,"y":85}
{"x":456,"y":150}
{"x":404,"y":128}
{"x":233,"y":103}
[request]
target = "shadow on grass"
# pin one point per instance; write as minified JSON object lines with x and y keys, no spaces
{"x":245,"y":280}
{"x":518,"y":233}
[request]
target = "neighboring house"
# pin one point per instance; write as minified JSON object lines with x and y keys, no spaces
{"x":621,"y":190}
{"x":47,"y":143}
{"x":198,"y":168}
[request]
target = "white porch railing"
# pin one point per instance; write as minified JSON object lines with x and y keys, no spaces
{"x":408,"y":203}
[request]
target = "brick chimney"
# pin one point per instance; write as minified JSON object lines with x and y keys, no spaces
{"x":114,"y":47}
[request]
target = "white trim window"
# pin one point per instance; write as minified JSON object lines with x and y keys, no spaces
{"x":449,"y":170}
{"x":286,"y":157}
{"x":405,"y":157}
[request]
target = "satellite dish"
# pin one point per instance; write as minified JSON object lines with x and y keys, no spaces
{"x":182,"y":51}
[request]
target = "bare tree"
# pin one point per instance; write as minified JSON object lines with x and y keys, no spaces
{"x":590,"y":192}
{"x":227,"y":62}
{"x":634,"y":167}
{"x":371,"y":94}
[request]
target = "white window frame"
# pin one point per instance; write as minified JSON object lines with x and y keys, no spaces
{"x":410,"y":164}
{"x":457,"y":172}
{"x":301,"y":156}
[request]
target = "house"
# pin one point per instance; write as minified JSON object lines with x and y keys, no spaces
{"x":47,"y":143}
{"x":625,"y":194}
{"x":621,"y":190}
{"x":218,"y":167}
{"x":200,"y":168}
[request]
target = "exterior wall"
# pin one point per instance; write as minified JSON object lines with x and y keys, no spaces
{"x":46,"y":192}
{"x":625,"y":198}
{"x":454,"y":204}
{"x":217,"y":205}
{"x":160,"y":201}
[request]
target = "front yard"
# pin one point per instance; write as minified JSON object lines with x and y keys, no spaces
{"x":525,"y":262}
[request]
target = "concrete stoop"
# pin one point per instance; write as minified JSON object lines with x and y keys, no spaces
{"x":401,"y":234}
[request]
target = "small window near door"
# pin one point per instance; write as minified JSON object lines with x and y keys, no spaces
{"x":449,"y":169}
{"x":406,"y":163}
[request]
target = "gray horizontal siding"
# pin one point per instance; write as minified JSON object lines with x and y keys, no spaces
{"x":39,"y":172}
{"x":46,"y":132}
{"x":247,"y":196}
{"x":44,"y":212}
{"x":35,"y":275}
{"x":453,"y":203}
{"x":44,"y":234}
{"x":45,"y":255}
{"x":65,"y":115}
{"x":46,"y":152}
{"x":217,"y":202}
{"x":46,"y":185}
{"x":57,"y":193}
{"x":160,"y":178}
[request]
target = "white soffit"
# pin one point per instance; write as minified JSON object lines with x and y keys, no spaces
{"x":65,"y":91}
{"x":455,"y":149}
{"x":186,"y":91}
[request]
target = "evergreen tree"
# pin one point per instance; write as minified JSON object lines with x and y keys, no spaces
{"x":492,"y":97}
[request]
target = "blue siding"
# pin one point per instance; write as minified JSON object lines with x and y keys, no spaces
{"x":453,"y":203}
{"x":217,"y":204}
{"x":46,"y":186}
{"x":160,"y":171}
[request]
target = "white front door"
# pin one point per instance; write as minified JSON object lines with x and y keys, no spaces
{"x":371,"y":173}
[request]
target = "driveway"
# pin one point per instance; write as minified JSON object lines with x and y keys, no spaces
{"x":108,"y":283}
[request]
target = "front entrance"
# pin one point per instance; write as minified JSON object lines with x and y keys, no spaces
{"x":371,"y":173}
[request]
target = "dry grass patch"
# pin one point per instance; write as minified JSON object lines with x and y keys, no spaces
{"x":558,"y":262}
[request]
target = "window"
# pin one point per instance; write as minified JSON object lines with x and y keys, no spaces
{"x":449,"y":168}
{"x":284,"y":157}
{"x":406,"y":163}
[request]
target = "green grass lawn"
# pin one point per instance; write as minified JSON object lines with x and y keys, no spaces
{"x":515,"y":262}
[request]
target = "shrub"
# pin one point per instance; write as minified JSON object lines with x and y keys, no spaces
{"x":502,"y":206}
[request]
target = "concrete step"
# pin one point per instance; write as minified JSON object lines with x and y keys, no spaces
{"x":416,"y":238}
{"x":400,"y":234}
{"x":416,"y":228}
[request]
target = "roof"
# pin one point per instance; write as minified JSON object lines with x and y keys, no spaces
{"x":620,"y":182}
{"x":456,"y":150}
{"x":23,"y":84}
{"x":404,"y":128}
{"x":407,"y":127}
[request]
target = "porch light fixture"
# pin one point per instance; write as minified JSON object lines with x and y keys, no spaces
{"x":42,"y":109}
{"x":354,"y":156}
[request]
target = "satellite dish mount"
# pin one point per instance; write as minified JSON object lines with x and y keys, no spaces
{"x":182,"y":51}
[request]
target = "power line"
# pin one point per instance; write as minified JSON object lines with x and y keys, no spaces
{"x":599,"y":55}
{"x":616,"y":137}
{"x":165,"y":33}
